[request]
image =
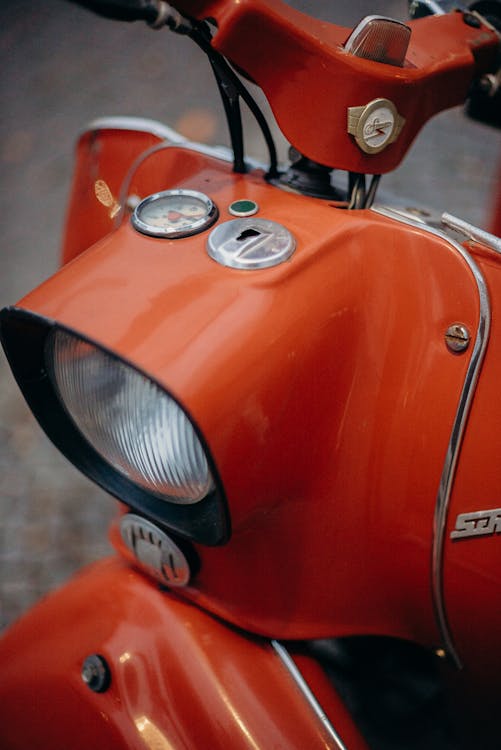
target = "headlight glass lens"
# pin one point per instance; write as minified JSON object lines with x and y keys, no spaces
{"x":131,"y":422}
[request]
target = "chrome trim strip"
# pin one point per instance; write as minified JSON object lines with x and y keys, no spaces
{"x":472,"y":232}
{"x":458,"y":428}
{"x":298,"y":678}
{"x":141,"y":124}
{"x":218,"y":152}
{"x":168,"y":136}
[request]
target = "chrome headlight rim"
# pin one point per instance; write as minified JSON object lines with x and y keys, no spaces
{"x":24,"y":336}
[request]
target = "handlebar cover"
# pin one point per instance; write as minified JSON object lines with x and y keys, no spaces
{"x":311,"y":82}
{"x":123,"y":10}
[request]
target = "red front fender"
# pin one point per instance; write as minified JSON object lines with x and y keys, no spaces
{"x":179,"y":677}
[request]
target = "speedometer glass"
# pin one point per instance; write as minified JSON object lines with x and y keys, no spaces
{"x":174,"y":213}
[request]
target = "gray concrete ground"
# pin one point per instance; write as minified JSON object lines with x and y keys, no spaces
{"x":60,"y":67}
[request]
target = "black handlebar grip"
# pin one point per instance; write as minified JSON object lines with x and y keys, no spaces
{"x":123,"y":10}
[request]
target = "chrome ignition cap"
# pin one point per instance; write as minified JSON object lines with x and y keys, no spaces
{"x":250,"y":244}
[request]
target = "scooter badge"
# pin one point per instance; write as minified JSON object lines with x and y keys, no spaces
{"x":479,"y":523}
{"x":375,"y":125}
{"x":154,"y":551}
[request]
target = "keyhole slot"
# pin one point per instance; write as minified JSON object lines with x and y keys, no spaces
{"x":247,"y":233}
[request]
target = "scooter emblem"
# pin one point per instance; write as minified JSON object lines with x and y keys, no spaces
{"x":375,"y":125}
{"x":154,"y":551}
{"x":479,"y":523}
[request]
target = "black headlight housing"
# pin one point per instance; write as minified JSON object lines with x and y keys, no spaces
{"x":150,"y":482}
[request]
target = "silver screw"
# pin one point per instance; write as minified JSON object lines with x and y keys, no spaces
{"x":89,"y":673}
{"x":457,"y":338}
{"x":96,"y":673}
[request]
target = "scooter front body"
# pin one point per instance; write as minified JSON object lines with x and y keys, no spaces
{"x":289,"y":395}
{"x":324,"y":387}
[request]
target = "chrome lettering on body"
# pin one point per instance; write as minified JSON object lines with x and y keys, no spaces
{"x":479,"y":523}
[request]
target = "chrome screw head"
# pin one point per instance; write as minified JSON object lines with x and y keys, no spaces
{"x":457,"y":338}
{"x":96,"y":673}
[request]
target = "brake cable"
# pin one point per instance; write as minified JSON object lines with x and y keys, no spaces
{"x":232,"y":90}
{"x":230,"y":87}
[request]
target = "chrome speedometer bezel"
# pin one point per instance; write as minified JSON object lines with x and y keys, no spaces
{"x":196,"y":226}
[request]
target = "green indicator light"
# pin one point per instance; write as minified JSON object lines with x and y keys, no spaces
{"x":243,"y":208}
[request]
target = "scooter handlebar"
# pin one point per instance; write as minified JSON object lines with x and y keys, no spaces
{"x":124,"y":10}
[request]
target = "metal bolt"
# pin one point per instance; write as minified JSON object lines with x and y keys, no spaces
{"x":472,"y":20}
{"x":96,"y":673}
{"x":490,"y":84}
{"x":457,"y":338}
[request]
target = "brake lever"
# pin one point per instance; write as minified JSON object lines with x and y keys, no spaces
{"x":422,"y":8}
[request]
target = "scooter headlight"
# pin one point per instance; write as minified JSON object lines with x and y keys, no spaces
{"x":118,"y":426}
{"x":132,"y":423}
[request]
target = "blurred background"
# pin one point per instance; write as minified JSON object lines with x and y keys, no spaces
{"x":61,"y":67}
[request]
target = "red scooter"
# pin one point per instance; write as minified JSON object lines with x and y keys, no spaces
{"x":292,"y":391}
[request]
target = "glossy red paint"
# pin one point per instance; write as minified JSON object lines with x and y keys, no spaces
{"x":103,"y":157}
{"x":119,"y":158}
{"x":311,"y":82}
{"x":326,"y":395}
{"x":323,"y":387}
{"x":179,"y":678}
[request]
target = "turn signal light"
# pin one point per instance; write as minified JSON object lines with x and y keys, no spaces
{"x":380,"y":39}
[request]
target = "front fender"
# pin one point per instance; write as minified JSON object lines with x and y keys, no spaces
{"x":179,"y":677}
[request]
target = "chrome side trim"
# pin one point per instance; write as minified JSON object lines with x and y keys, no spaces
{"x":458,"y":428}
{"x":218,"y":152}
{"x":472,"y":232}
{"x":298,"y":678}
{"x":141,"y":124}
{"x":167,"y":135}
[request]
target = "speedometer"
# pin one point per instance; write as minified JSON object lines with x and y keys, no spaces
{"x":174,"y":213}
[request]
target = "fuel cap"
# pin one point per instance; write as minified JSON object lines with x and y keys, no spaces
{"x":250,"y":243}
